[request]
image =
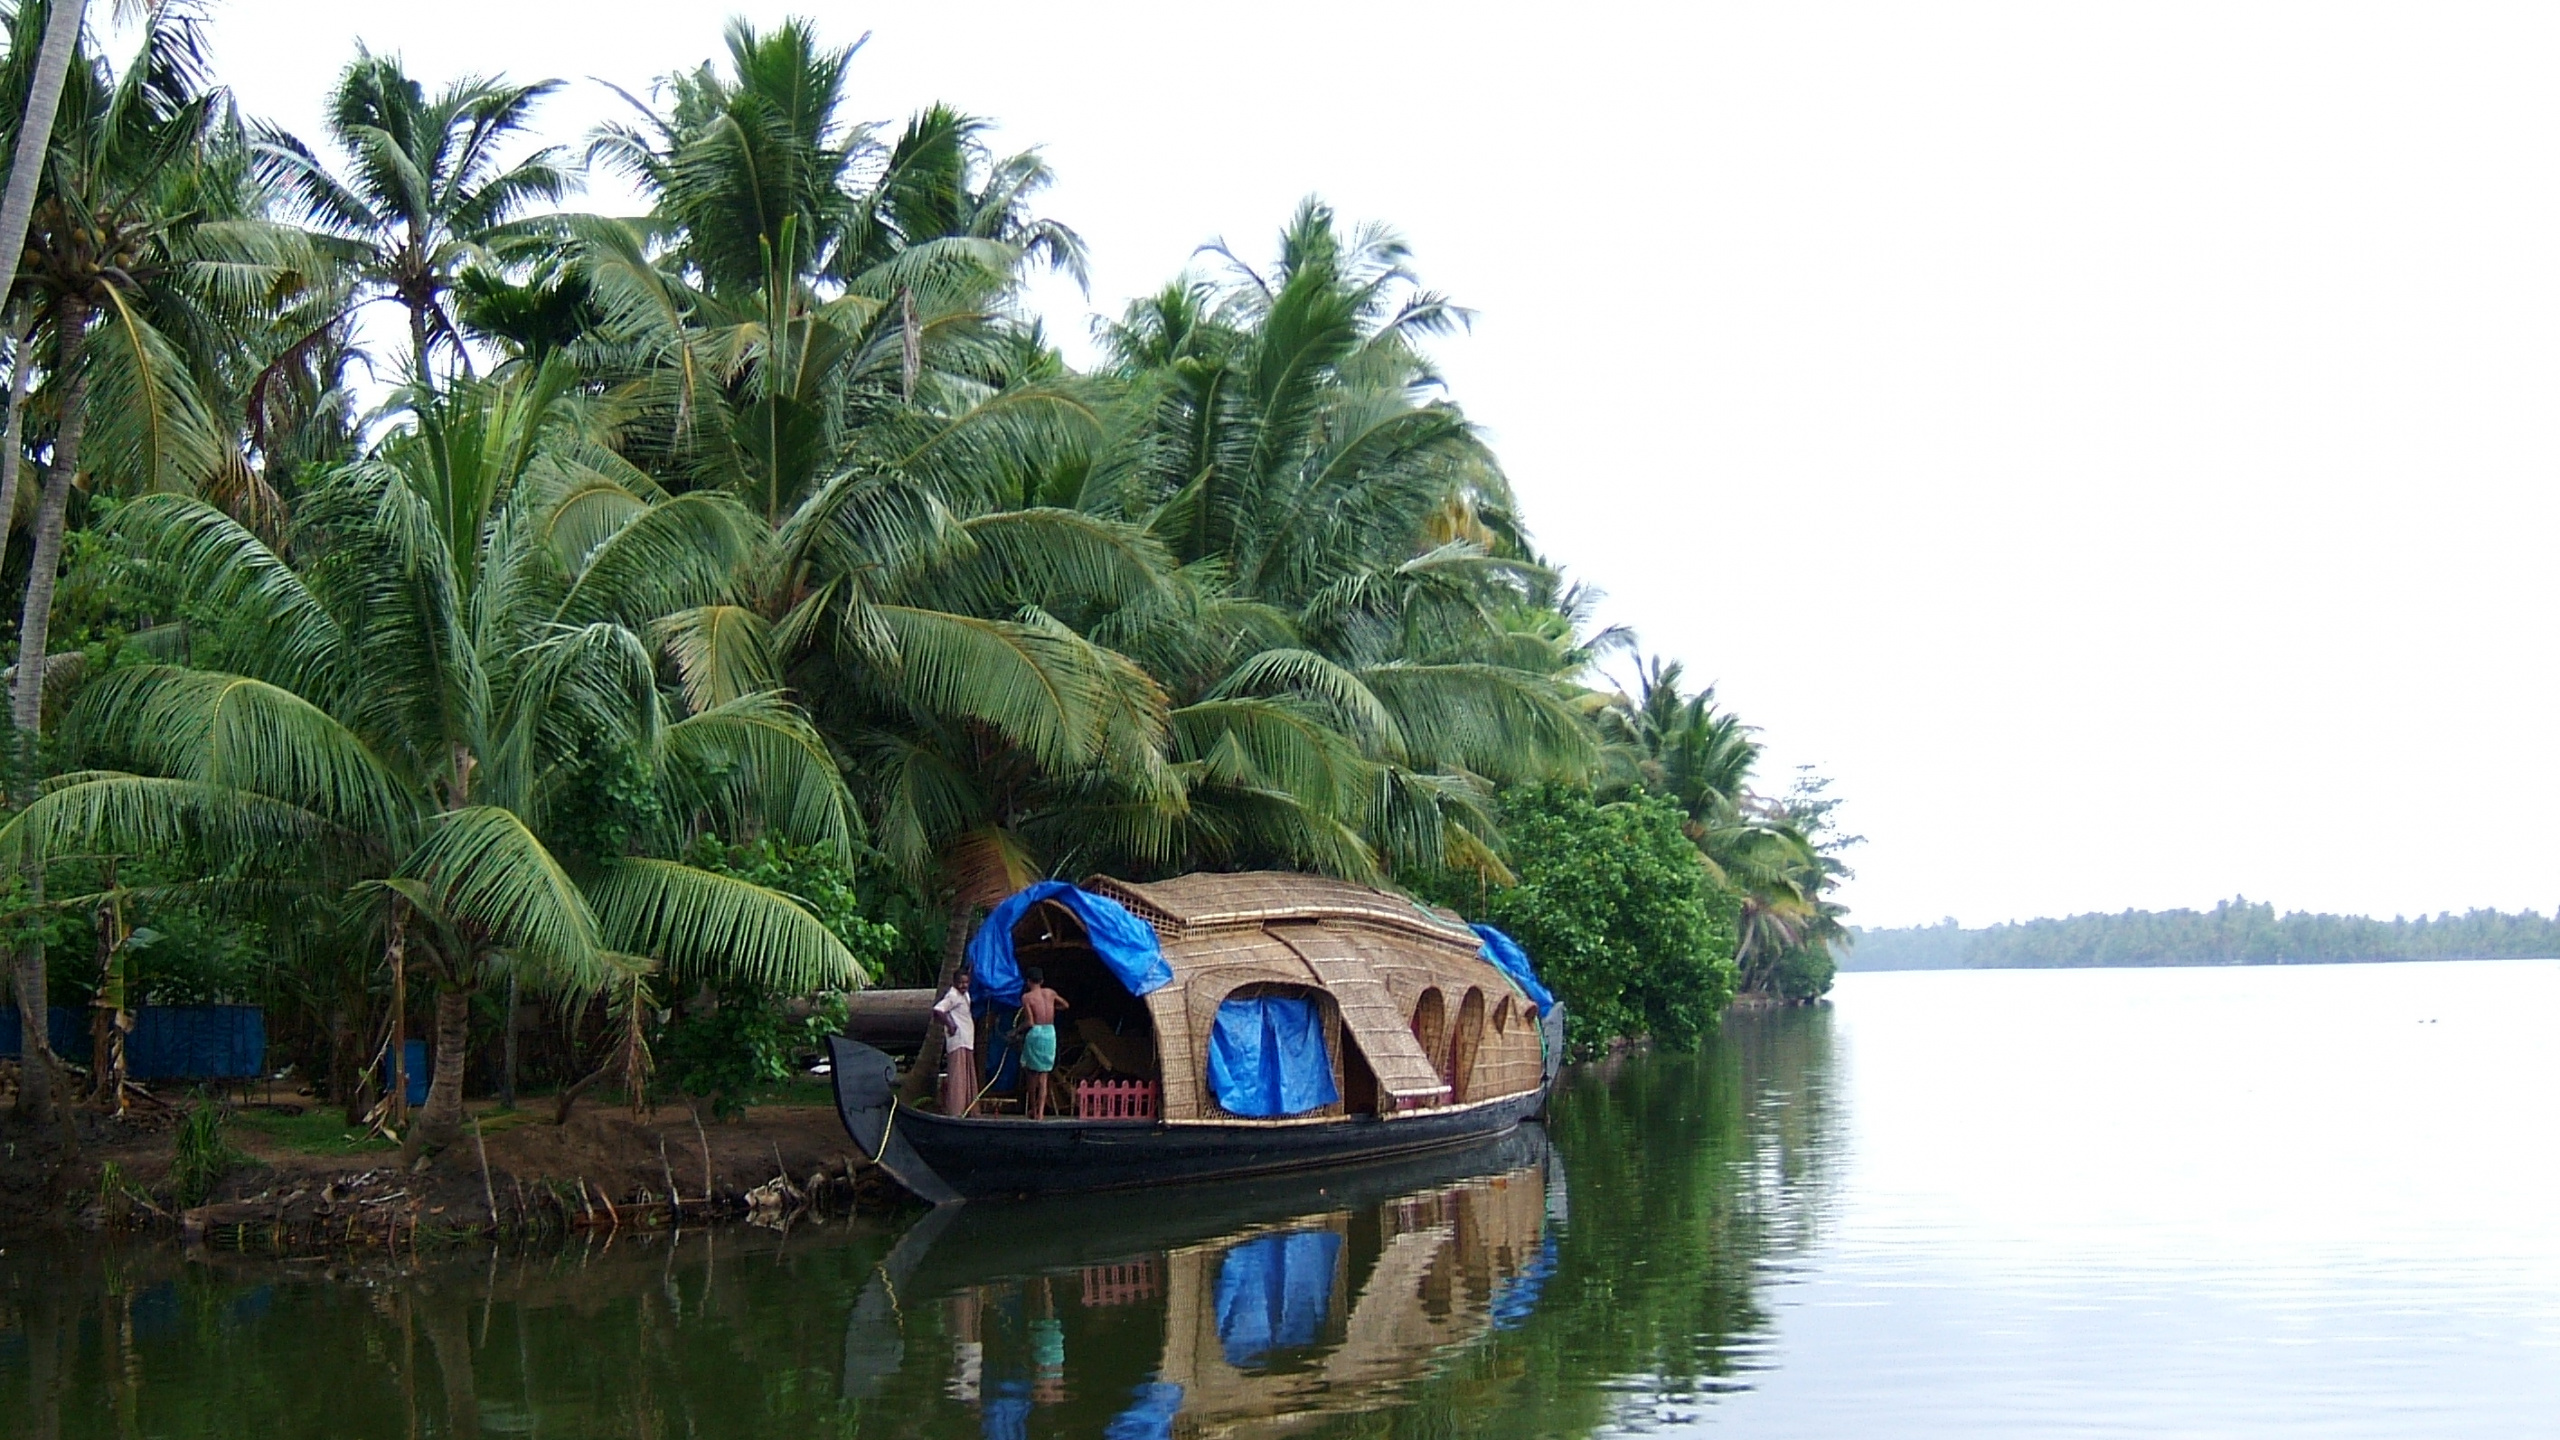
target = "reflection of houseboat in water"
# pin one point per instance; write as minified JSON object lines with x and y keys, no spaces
{"x":1251,"y":1308}
{"x":1219,"y":1026}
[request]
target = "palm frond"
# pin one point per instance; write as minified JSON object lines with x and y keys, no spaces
{"x":492,"y":879}
{"x":704,"y":925}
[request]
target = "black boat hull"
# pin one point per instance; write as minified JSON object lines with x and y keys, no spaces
{"x":941,"y":1157}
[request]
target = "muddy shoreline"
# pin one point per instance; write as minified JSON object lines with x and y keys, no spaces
{"x":512,"y":1175}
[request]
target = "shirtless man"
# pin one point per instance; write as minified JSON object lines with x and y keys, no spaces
{"x":1040,"y":1005}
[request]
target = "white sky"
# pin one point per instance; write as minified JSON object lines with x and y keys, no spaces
{"x":2115,"y":442}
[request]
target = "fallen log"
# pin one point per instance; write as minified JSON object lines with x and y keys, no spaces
{"x":890,"y":1020}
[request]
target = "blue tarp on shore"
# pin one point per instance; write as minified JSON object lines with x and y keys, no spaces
{"x":169,"y":1042}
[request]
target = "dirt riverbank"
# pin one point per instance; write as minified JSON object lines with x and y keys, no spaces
{"x":300,"y":1181}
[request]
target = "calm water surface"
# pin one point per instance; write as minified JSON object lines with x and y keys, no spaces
{"x":2311,"y":1201}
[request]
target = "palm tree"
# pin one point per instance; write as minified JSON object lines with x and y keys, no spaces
{"x":428,"y":190}
{"x":118,"y":245}
{"x":1669,"y":742}
{"x":418,"y":706}
{"x":824,"y":338}
{"x":43,"y":96}
{"x":1345,"y":539}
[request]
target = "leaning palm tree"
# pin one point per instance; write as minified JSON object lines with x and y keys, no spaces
{"x":41,"y":87}
{"x":421,"y":703}
{"x":428,"y":188}
{"x":120,"y":245}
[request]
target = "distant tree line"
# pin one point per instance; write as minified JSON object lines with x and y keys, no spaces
{"x":2235,"y":932}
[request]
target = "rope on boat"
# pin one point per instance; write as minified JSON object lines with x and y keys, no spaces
{"x":888,"y":1127}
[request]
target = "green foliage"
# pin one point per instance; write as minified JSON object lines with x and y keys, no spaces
{"x":725,"y":1050}
{"x":824,"y":882}
{"x":320,"y":1130}
{"x":1805,"y":973}
{"x":781,"y":595}
{"x":204,"y":1154}
{"x":1614,"y":905}
{"x":188,"y":954}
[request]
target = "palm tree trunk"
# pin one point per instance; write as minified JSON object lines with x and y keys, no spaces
{"x":13,"y":445}
{"x":35,"y":128}
{"x":955,"y":948}
{"x":395,"y":1062}
{"x":507,"y":1077}
{"x":35,"y":1047}
{"x":440,"y":1122}
{"x":71,"y":320}
{"x":418,"y":342}
{"x":35,"y":621}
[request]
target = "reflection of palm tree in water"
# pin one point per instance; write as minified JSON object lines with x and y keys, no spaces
{"x":1432,"y":1294}
{"x":1688,"y":1175}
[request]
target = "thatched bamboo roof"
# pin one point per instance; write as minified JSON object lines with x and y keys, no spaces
{"x":1190,"y":904}
{"x":1376,"y":957}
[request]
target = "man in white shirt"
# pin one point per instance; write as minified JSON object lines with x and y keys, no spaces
{"x":959,"y":1048}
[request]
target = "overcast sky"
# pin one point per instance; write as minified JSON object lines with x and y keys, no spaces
{"x":2116,"y":443}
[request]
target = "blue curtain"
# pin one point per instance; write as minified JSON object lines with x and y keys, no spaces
{"x":1275,"y":1293}
{"x":1126,"y":944}
{"x":1505,"y":955}
{"x":1267,"y":1057}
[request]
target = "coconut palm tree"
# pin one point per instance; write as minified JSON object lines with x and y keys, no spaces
{"x":1346,"y":538}
{"x":419,"y":704}
{"x":824,"y":337}
{"x":40,"y":85}
{"x":428,"y":190}
{"x":1666,"y":741}
{"x":120,"y":244}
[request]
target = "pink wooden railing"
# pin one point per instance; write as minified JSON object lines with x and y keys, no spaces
{"x":1115,"y":1099}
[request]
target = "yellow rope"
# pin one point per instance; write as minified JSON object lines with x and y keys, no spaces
{"x":888,"y":1127}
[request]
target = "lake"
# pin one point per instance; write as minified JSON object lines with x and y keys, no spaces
{"x":2298,"y":1201}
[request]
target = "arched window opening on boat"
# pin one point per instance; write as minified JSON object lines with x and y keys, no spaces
{"x":1502,"y":1016}
{"x":1104,"y":1034}
{"x":1464,"y":1041}
{"x":1431,"y":1030}
{"x":1275,"y":1050}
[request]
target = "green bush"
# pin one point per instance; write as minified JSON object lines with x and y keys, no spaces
{"x":727,"y":1050}
{"x":1806,"y":973}
{"x":1614,"y":906}
{"x":816,"y":879}
{"x":204,"y":1154}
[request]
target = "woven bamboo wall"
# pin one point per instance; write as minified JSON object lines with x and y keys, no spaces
{"x":1222,"y":933}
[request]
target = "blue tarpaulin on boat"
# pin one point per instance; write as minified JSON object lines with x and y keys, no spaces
{"x":1267,"y":1057}
{"x":1123,"y":941}
{"x":1505,"y":955}
{"x":1275,"y":1293}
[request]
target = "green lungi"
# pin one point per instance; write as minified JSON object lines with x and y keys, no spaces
{"x":1040,"y":1048}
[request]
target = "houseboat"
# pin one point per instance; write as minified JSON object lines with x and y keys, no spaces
{"x":1218,"y":1026}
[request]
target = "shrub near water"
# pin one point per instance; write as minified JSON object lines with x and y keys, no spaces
{"x":1617,"y":910}
{"x":204,"y":1154}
